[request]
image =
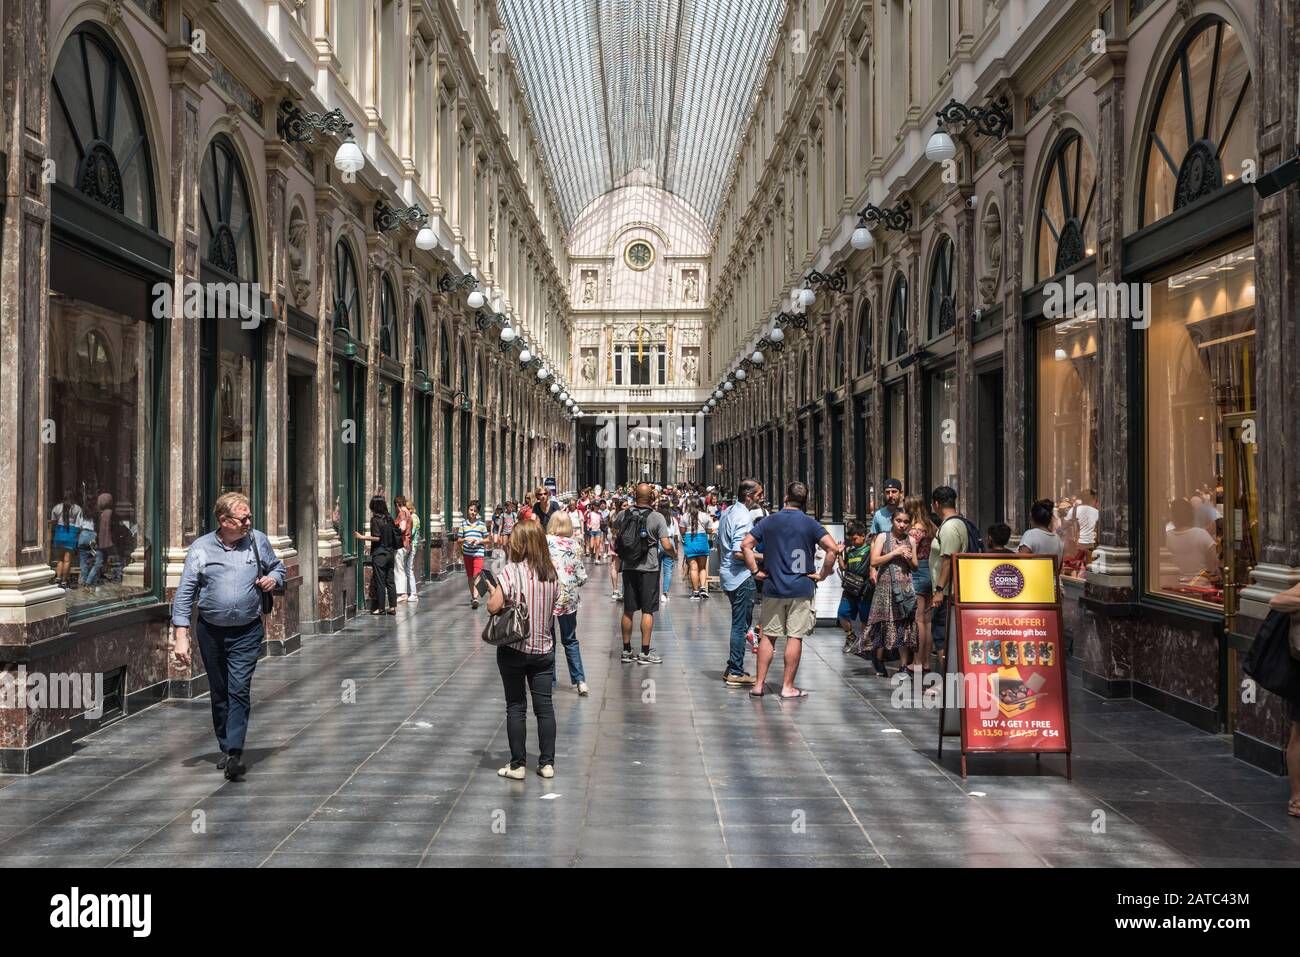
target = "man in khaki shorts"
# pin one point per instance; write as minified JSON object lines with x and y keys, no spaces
{"x":789,"y":540}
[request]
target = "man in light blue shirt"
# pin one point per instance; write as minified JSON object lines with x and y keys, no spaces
{"x":220,"y":595}
{"x":737,"y":581}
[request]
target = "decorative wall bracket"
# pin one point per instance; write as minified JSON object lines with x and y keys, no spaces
{"x":991,"y":120}
{"x":387,"y":218}
{"x":297,"y":125}
{"x":898,"y":218}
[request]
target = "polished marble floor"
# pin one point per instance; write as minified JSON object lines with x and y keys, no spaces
{"x":379,"y":747}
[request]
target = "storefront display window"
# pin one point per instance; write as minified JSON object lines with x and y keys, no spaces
{"x":896,"y":432}
{"x":1068,"y":391}
{"x":235,"y":435}
{"x":101,"y":382}
{"x":942,"y":429}
{"x":1200,"y":395}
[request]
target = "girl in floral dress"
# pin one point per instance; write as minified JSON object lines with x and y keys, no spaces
{"x":892,"y":621}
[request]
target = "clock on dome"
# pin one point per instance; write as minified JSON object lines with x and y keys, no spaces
{"x":639,"y":255}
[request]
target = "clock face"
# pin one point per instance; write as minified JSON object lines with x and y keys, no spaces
{"x":639,"y":255}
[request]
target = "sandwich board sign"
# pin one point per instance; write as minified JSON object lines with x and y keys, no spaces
{"x":1009,"y":654}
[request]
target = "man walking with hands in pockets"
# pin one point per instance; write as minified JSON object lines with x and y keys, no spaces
{"x":226,"y":575}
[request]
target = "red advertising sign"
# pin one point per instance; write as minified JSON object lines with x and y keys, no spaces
{"x":1013,"y":679}
{"x":1010,"y":658}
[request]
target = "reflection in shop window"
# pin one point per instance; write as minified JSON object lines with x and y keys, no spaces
{"x":943,"y":429}
{"x":1200,"y":383}
{"x":236,"y":424}
{"x":1068,"y":390}
{"x":101,"y":375}
{"x":896,"y":432}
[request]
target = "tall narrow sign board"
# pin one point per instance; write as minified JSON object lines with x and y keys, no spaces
{"x":1009,"y":654}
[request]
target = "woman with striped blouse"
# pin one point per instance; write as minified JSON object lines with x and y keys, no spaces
{"x":529,"y":665}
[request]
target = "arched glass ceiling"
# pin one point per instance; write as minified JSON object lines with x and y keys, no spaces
{"x":640,"y":91}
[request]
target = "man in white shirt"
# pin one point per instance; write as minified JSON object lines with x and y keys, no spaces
{"x":1087,"y":519}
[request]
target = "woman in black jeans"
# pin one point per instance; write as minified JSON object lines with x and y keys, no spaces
{"x":529,"y":576}
{"x":384,"y":541}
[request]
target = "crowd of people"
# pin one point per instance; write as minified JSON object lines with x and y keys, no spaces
{"x":896,"y":578}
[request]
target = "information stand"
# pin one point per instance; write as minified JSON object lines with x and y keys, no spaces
{"x":1005,"y":636}
{"x":831,"y":589}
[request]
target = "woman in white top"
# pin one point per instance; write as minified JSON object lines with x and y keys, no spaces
{"x":529,"y":665}
{"x":1039,"y":539}
{"x":697,"y":537}
{"x":1190,"y":546}
{"x":65,"y":530}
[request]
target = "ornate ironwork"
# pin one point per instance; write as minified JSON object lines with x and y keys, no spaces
{"x":766,"y":345}
{"x":992,"y":120}
{"x":1069,"y":247}
{"x":836,"y":281}
{"x":297,"y":125}
{"x":387,"y":218}
{"x":798,"y":320}
{"x":447,"y":282}
{"x":897,"y":218}
{"x":221,"y":250}
{"x":99,"y":177}
{"x":1199,"y":175}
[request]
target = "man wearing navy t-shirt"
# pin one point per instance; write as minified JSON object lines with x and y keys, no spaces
{"x":789,"y":540}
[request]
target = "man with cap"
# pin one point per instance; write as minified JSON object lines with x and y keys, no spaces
{"x":883,"y":520}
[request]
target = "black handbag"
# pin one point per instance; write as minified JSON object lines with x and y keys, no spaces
{"x":906,"y":602}
{"x":268,"y":598}
{"x":509,"y":626}
{"x":854,"y":584}
{"x":1270,"y":663}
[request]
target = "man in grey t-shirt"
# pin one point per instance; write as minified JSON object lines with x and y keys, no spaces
{"x":641,"y":572}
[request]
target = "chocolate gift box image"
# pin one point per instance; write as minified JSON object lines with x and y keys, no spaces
{"x":1014,"y":694}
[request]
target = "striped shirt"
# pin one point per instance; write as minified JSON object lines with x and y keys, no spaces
{"x":518,"y":580}
{"x":471,"y":537}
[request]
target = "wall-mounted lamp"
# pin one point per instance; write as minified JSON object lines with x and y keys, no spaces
{"x":991,"y":120}
{"x":448,"y":282}
{"x":297,"y":125}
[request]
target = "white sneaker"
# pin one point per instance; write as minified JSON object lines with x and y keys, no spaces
{"x":546,"y":771}
{"x":516,"y":774}
{"x":663,"y":599}
{"x":582,"y":688}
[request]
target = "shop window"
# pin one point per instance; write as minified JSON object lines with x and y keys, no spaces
{"x":1202,"y":130}
{"x":942,"y":429}
{"x":1069,"y":388}
{"x":97,"y":133}
{"x":226,"y":213}
{"x":866,"y":332}
{"x":347,"y":295}
{"x":942,"y":305}
{"x":896,"y":336}
{"x":235,"y":419}
{"x":1067,"y":227}
{"x":100,"y":473}
{"x":388,"y":321}
{"x":896,"y":432}
{"x":1200,"y":456}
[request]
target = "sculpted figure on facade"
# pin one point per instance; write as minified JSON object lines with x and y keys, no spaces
{"x":691,"y":286}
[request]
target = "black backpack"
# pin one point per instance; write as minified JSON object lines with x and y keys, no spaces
{"x":633,"y":542}
{"x":975,"y":542}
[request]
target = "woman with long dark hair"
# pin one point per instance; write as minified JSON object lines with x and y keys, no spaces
{"x":384,"y":541}
{"x":697,"y":529}
{"x":528,"y":666}
{"x":65,"y":529}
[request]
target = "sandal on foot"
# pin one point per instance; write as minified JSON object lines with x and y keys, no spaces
{"x":757,"y":693}
{"x":798,"y":694}
{"x":1294,"y":808}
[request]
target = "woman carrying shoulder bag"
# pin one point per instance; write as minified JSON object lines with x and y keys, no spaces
{"x":528,"y":666}
{"x":384,"y":541}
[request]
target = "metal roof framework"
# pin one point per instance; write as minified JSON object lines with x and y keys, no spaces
{"x":627,"y":92}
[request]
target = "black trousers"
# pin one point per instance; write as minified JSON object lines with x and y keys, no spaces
{"x":382,"y":585}
{"x":520,"y":674}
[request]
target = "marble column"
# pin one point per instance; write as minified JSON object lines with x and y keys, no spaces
{"x":1010,"y":157}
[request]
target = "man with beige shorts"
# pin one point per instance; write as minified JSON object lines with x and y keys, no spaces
{"x":789,"y":540}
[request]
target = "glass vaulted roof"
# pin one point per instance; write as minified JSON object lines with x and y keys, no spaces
{"x":627,"y":92}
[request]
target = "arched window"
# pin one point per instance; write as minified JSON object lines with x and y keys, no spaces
{"x":347,"y":297}
{"x":464,"y":370}
{"x":97,"y":131}
{"x":444,"y":356}
{"x":942,"y":307}
{"x":388,"y":321}
{"x":420,"y":353}
{"x":226,"y":212}
{"x":866,"y":335}
{"x":1202,"y":129}
{"x":896,"y":340}
{"x":1067,"y":230}
{"x":94,"y":366}
{"x":837,"y":374}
